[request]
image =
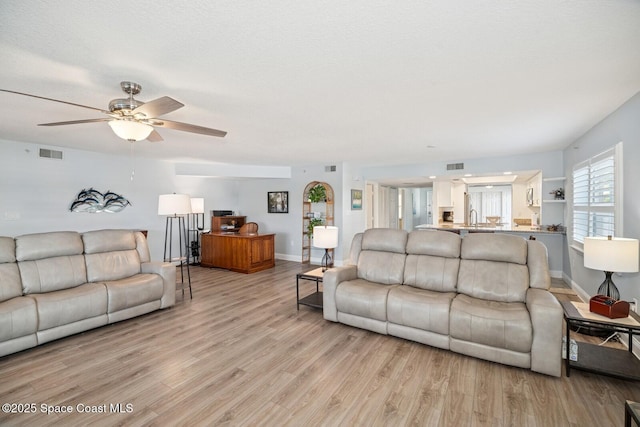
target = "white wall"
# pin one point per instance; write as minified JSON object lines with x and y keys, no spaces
{"x":38,"y":192}
{"x":621,"y":125}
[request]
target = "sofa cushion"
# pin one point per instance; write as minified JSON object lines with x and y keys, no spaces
{"x":385,"y":268}
{"x":504,"y":325}
{"x":48,"y":245}
{"x":418,"y":308}
{"x":133,"y":291}
{"x":431,"y":272}
{"x":362,"y":298}
{"x":384,"y":239}
{"x":108,"y":240}
{"x":494,"y":247}
{"x":52,"y":274}
{"x":494,"y":281}
{"x":18,"y":318}
{"x":10,"y":284}
{"x":70,"y":305}
{"x":113,"y":265}
{"x":435,"y":243}
{"x":7,"y":249}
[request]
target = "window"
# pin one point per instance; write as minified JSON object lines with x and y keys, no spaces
{"x":597,"y":195}
{"x":491,"y":201}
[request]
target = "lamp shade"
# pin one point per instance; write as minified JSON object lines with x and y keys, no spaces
{"x":174,"y":204}
{"x":130,"y":130}
{"x":197,"y":205}
{"x":325,"y":236}
{"x":617,"y":254}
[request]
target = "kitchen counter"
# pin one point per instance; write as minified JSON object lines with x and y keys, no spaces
{"x":491,"y":229}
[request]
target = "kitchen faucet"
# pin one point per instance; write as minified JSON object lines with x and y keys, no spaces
{"x":473,"y":211}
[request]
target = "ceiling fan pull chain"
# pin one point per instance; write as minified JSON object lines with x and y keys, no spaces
{"x":133,"y":161}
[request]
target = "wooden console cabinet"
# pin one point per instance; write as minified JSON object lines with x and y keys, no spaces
{"x":243,"y":253}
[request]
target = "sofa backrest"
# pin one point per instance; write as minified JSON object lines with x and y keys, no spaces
{"x":494,"y":267}
{"x":382,"y":255}
{"x":50,"y":261}
{"x":112,"y":254}
{"x":433,"y":260}
{"x":10,"y":284}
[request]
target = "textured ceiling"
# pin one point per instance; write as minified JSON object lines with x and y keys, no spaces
{"x":300,"y":82}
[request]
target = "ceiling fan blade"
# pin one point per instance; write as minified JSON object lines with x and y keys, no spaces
{"x":56,"y":100}
{"x":186,"y":127}
{"x":158,"y":107}
{"x":75,"y":122}
{"x":154,"y":136}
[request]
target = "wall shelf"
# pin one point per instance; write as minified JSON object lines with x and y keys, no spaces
{"x":558,"y":178}
{"x":554,"y":201}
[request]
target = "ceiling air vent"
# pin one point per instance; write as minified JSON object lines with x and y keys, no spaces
{"x":50,"y":154}
{"x":455,"y":166}
{"x":331,"y":168}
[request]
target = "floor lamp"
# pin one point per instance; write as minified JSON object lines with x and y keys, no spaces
{"x":195,"y":227}
{"x":176,"y":207}
{"x":325,"y":237}
{"x":611,"y":255}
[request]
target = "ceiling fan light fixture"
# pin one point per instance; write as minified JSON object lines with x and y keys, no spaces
{"x":130,"y":130}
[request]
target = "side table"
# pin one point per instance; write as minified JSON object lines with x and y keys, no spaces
{"x":312,"y":300}
{"x":600,"y":359}
{"x":631,"y":412}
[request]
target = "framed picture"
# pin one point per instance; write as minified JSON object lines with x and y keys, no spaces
{"x":278,"y":202}
{"x":356,"y":200}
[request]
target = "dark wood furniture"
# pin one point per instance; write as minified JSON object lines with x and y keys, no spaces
{"x":227,"y":223}
{"x":243,"y":253}
{"x":313,"y":299}
{"x":600,"y":359}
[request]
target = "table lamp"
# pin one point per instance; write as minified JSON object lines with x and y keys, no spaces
{"x":611,"y":255}
{"x":325,"y":237}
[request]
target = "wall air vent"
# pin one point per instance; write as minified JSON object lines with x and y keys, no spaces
{"x":455,"y":166}
{"x":50,"y":154}
{"x":331,"y":168}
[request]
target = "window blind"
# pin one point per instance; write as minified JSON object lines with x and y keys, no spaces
{"x":595,"y":192}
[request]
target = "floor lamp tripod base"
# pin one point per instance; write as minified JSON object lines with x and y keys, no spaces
{"x":183,"y":252}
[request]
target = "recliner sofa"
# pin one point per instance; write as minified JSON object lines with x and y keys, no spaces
{"x":62,"y":283}
{"x":484,"y":295}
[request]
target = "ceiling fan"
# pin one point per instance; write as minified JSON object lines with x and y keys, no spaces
{"x":134,"y":120}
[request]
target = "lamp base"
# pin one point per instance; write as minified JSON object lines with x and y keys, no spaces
{"x":327,"y":261}
{"x":608,"y":288}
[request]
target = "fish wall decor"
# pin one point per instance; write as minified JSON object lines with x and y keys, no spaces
{"x":93,"y":201}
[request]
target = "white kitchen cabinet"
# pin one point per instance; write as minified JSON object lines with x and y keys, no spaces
{"x":443,"y":193}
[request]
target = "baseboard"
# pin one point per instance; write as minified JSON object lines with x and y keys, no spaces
{"x":556,"y":274}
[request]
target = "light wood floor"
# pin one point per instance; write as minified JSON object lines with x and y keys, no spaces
{"x":240,"y":354}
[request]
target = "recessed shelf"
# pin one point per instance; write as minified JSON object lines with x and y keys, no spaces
{"x":554,"y":201}
{"x":558,"y":178}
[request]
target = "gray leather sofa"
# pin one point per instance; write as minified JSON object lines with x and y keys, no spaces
{"x":484,"y":295}
{"x":62,"y":283}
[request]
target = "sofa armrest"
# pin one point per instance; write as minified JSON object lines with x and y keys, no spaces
{"x":168,"y":273}
{"x":330,"y":281}
{"x":546,"y":319}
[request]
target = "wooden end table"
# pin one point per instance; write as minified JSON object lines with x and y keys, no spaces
{"x":597,"y":359}
{"x":315,"y":299}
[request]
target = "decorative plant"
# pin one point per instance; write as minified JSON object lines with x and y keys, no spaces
{"x":313,"y":222}
{"x":558,"y":193}
{"x":317,"y":194}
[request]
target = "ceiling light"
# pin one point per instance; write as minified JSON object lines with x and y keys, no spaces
{"x":130,"y":130}
{"x":507,"y":173}
{"x":432,"y":177}
{"x":467,"y":175}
